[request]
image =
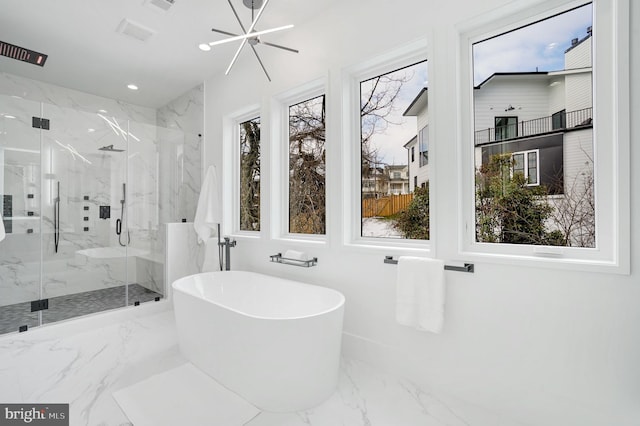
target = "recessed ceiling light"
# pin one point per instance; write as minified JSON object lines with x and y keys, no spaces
{"x":8,"y":116}
{"x":204,"y":47}
{"x":132,"y":86}
{"x":104,"y":111}
{"x":91,"y":130}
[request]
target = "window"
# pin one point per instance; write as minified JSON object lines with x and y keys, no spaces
{"x":250,"y":175}
{"x":415,"y":182}
{"x":595,"y":172}
{"x":413,"y":154}
{"x":506,"y":127}
{"x":558,"y":120}
{"x":423,"y":141}
{"x":508,"y":210}
{"x":391,"y":106}
{"x":307,"y":168}
{"x":526,"y":164}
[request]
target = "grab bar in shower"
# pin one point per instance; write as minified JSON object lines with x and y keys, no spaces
{"x":468,"y":267}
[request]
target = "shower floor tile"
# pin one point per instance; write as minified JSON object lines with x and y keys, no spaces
{"x":72,"y":305}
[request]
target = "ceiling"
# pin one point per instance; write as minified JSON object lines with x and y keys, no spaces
{"x":87,"y":54}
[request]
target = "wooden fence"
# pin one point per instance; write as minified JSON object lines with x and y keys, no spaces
{"x":385,"y":206}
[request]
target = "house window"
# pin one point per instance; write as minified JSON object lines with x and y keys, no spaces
{"x":250,"y":175}
{"x":506,"y":127}
{"x":415,"y":182}
{"x":307,"y":167}
{"x":423,"y":143}
{"x":391,"y":106}
{"x":526,"y":164}
{"x":558,"y":120}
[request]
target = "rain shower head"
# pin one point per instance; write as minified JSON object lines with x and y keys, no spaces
{"x":110,"y":148}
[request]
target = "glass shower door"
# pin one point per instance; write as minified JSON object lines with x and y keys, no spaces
{"x":146,"y":248}
{"x":20,"y":192}
{"x":84,"y":165}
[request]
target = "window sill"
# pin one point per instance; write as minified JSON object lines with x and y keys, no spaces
{"x":559,"y":261}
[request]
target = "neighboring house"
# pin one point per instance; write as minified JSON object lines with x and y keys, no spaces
{"x":418,"y":146}
{"x":385,"y":180}
{"x":543,"y":119}
{"x":398,"y":178}
{"x":375,"y":182}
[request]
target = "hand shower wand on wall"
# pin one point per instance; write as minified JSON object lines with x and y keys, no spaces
{"x":119,"y":221}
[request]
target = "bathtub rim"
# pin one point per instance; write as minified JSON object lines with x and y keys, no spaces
{"x":338,"y":306}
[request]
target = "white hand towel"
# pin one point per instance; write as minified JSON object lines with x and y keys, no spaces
{"x":2,"y":232}
{"x":420,"y":293}
{"x":208,"y":210}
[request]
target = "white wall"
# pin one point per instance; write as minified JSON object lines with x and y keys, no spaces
{"x":549,"y":347}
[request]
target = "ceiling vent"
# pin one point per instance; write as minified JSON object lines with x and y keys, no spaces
{"x":163,"y":5}
{"x":135,"y":30}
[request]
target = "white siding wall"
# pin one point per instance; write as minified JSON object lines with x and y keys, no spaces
{"x":529,"y":97}
{"x":579,"y":56}
{"x":556,"y":95}
{"x":578,"y":91}
{"x":578,"y":156}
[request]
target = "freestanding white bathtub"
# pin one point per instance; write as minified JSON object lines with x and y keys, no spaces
{"x":275,"y":342}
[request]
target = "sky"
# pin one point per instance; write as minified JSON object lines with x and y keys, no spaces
{"x":541,"y":45}
{"x":390,"y":142}
{"x":538,"y":46}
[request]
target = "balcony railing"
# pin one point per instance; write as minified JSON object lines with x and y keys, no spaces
{"x":537,"y":126}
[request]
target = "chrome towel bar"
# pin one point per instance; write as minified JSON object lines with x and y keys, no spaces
{"x":296,"y":262}
{"x":468,"y":267}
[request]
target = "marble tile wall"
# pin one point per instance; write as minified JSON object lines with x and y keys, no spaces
{"x":182,"y":124}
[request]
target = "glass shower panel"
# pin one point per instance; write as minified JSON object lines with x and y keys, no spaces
{"x":84,"y":162}
{"x":20,"y":193}
{"x":146,"y":247}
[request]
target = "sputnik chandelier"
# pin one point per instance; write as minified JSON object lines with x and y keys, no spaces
{"x":251,"y":35}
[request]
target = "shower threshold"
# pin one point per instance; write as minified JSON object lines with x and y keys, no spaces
{"x":73,"y":305}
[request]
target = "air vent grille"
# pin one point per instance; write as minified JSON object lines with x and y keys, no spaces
{"x":135,"y":30}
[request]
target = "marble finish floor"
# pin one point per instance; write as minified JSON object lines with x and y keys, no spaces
{"x":84,"y":368}
{"x":73,"y":305}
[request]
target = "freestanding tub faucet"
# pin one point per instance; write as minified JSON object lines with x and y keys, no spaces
{"x":226,"y":246}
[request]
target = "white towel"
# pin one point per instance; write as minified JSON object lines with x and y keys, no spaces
{"x":208,"y":211}
{"x":296,"y":255}
{"x":2,"y":232}
{"x":420,"y":293}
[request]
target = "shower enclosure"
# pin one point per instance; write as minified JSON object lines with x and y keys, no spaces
{"x":80,"y":197}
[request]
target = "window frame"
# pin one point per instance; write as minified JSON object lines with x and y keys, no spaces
{"x":505,"y":128}
{"x":279,"y":150}
{"x":525,"y":164}
{"x":239,"y":178}
{"x":352,"y":77}
{"x":611,"y":139}
{"x":231,"y":155}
